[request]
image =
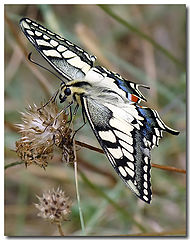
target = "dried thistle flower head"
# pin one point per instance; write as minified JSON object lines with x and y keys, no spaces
{"x":54,"y":206}
{"x":41,"y":130}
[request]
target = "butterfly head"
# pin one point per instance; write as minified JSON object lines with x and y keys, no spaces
{"x":65,"y":94}
{"x":73,"y":90}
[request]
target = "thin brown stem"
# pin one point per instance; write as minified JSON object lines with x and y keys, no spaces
{"x":13,"y":164}
{"x":89,"y":146}
{"x":167,"y":168}
{"x":60,"y":229}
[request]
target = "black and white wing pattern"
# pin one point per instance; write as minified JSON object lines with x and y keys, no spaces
{"x":68,"y":59}
{"x":126,"y":131}
{"x":127,"y":136}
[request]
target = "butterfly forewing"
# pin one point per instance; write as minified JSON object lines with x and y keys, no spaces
{"x":67,"y":58}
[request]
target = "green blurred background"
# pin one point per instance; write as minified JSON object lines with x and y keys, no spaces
{"x":108,"y":206}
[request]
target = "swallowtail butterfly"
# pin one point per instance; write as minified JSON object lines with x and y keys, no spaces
{"x":125,"y":130}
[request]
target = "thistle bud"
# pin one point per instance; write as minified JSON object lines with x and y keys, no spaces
{"x":54,"y":206}
{"x":42,"y":129}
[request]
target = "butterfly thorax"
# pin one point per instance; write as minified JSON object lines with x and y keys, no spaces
{"x":102,"y":85}
{"x":76,"y":89}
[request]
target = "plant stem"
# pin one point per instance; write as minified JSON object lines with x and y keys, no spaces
{"x":13,"y":164}
{"x":164,"y":167}
{"x":77,"y":191}
{"x":60,"y":229}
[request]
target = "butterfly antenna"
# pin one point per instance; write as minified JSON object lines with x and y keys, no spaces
{"x":32,"y":61}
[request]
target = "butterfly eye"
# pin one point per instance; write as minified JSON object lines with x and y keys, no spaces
{"x":67,"y":91}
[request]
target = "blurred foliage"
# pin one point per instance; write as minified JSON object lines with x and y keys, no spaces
{"x":103,"y":196}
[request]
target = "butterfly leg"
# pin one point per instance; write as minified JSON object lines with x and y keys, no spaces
{"x":72,"y":115}
{"x":84,"y":120}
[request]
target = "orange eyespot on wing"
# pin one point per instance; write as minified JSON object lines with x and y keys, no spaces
{"x":133,"y":98}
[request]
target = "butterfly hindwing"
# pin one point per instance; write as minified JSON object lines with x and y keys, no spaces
{"x":127,"y":134}
{"x":67,"y":58}
{"x":123,"y":144}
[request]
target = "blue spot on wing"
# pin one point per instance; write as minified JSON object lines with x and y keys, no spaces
{"x":149,"y":121}
{"x":123,"y":85}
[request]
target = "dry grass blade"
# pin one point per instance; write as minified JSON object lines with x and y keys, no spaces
{"x":42,"y":80}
